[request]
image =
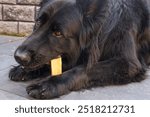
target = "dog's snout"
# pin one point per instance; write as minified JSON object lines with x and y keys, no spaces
{"x":22,"y":57}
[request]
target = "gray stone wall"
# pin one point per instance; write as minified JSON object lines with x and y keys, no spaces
{"x":17,"y":16}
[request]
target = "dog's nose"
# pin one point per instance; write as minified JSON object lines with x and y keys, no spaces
{"x":22,"y":57}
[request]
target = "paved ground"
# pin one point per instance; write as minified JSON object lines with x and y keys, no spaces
{"x":16,"y":91}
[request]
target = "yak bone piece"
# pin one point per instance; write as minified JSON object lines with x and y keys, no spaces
{"x":56,"y":66}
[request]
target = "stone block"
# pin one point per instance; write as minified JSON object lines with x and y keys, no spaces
{"x":25,"y":28}
{"x":8,"y":27}
{"x":0,"y":12}
{"x":18,"y":13}
{"x":33,"y":2}
{"x":37,"y":11}
{"x":8,"y":1}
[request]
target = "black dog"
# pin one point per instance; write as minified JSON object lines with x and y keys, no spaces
{"x":102,"y":42}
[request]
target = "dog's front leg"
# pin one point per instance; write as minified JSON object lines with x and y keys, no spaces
{"x":115,"y":71}
{"x":71,"y":80}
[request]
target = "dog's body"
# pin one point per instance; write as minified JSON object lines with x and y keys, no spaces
{"x":102,"y":42}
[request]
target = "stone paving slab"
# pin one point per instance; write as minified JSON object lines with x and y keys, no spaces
{"x":10,"y":43}
{"x":6,"y":39}
{"x":16,"y":90}
{"x":5,"y":96}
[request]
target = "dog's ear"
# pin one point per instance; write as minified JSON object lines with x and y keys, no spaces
{"x":95,"y":13}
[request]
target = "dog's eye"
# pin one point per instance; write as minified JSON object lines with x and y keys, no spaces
{"x":56,"y":31}
{"x":57,"y":34}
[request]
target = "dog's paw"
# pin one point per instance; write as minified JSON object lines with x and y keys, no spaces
{"x":18,"y":74}
{"x":42,"y":90}
{"x":46,"y":90}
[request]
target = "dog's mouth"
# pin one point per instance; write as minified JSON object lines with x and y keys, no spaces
{"x":38,"y":65}
{"x":33,"y":68}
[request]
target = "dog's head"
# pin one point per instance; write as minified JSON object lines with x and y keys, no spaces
{"x":61,"y":28}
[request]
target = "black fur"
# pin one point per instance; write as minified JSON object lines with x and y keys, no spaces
{"x":102,"y":42}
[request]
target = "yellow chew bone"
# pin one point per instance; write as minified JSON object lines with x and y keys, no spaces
{"x":56,"y":66}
